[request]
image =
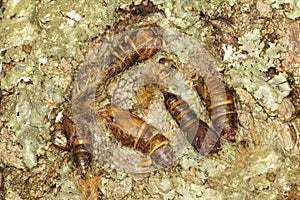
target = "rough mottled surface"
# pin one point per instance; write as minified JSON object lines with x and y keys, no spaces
{"x":44,"y":44}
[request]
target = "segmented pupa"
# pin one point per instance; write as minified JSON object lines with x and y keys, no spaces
{"x":134,"y":132}
{"x":204,"y":139}
{"x":79,"y":144}
{"x":139,"y":45}
{"x":219,"y":103}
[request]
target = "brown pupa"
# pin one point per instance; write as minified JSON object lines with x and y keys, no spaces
{"x":219,"y":103}
{"x":139,"y":45}
{"x":134,"y":132}
{"x":204,"y":139}
{"x":79,"y":144}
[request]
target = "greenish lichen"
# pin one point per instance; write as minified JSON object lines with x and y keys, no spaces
{"x":26,"y":115}
{"x":186,"y":163}
{"x":294,"y":5}
{"x":56,"y":29}
{"x":63,"y":30}
{"x":251,"y":63}
{"x":68,"y":189}
{"x":273,"y":91}
{"x":164,"y":184}
{"x":52,"y":30}
{"x":253,"y":177}
{"x":68,"y":24}
{"x":16,"y":32}
{"x":184,"y":15}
